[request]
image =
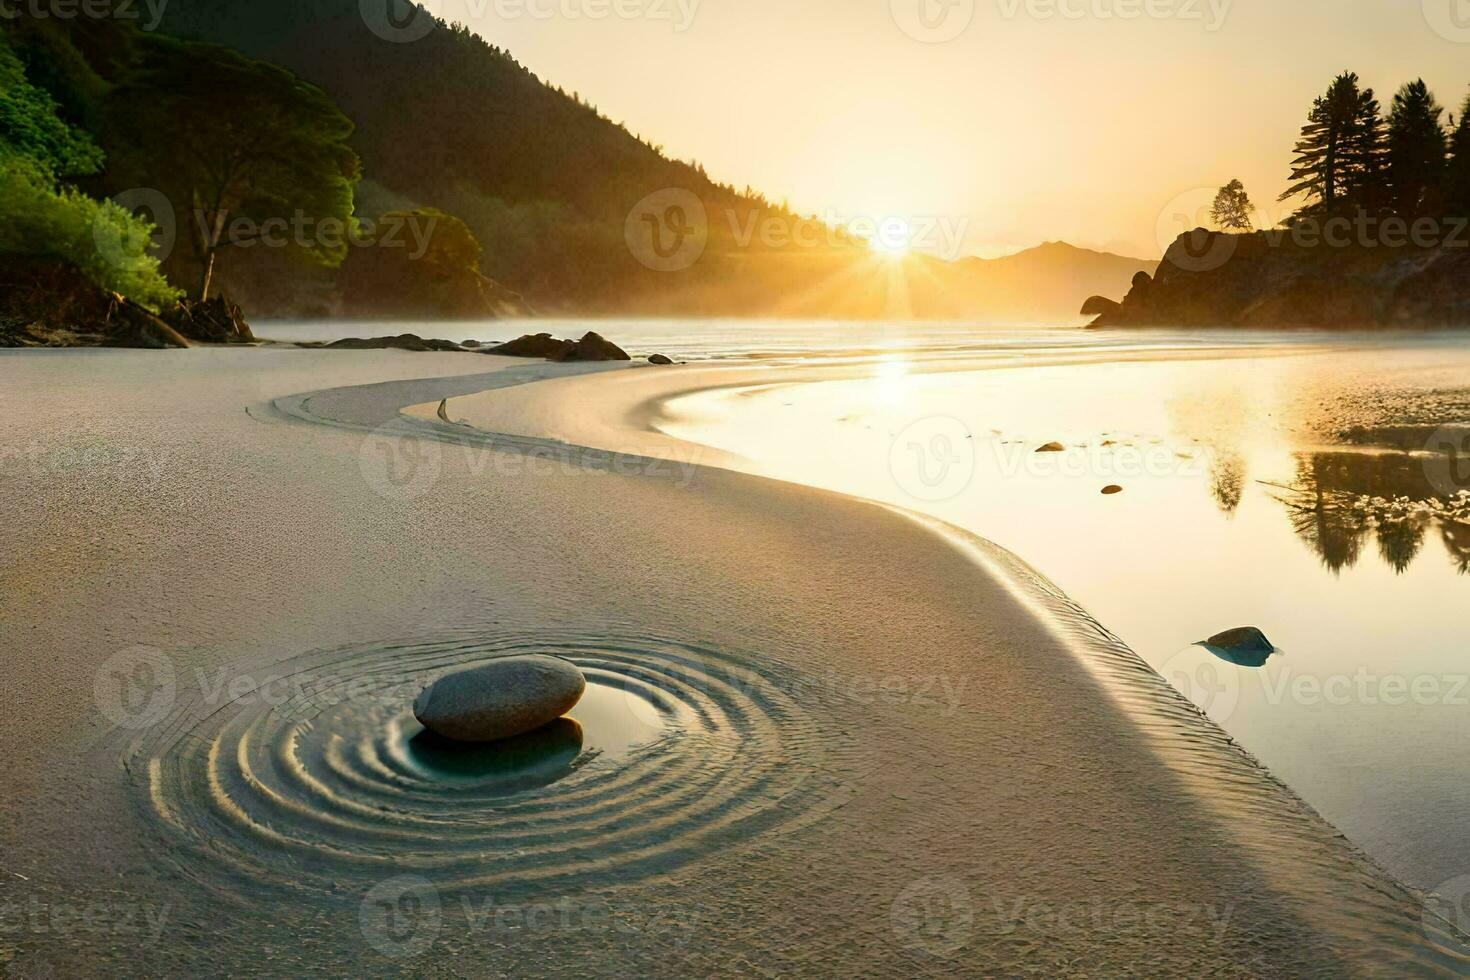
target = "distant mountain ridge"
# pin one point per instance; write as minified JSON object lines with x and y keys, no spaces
{"x":547,"y":185}
{"x":1048,"y":282}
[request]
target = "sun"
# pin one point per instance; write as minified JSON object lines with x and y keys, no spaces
{"x":892,"y":240}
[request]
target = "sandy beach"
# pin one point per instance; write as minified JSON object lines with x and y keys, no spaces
{"x":879,"y":745}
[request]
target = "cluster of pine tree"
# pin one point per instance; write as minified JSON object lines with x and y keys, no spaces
{"x":1350,"y":159}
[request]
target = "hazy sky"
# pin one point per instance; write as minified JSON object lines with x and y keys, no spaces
{"x":1041,"y":120}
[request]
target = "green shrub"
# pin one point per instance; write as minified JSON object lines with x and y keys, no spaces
{"x":105,"y":241}
{"x":30,"y":127}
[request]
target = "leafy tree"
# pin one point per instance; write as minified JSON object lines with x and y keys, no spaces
{"x":240,"y":143}
{"x":1233,"y":208}
{"x":31,"y":128}
{"x":41,"y":217}
{"x":106,"y":242}
{"x":418,"y":260}
{"x":1416,"y":150}
{"x":452,"y":249}
{"x":1457,"y":172}
{"x":1338,"y":153}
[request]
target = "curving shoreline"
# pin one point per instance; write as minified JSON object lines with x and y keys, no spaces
{"x":1298,"y":851}
{"x":1060,"y":802}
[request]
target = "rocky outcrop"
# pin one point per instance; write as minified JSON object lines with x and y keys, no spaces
{"x":1281,"y":278}
{"x":592,"y":347}
{"x":531,"y":345}
{"x":404,"y":341}
{"x":1100,"y":306}
{"x":45,"y":303}
{"x":212,"y":321}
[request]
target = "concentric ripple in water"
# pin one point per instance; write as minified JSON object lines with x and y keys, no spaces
{"x":322,"y":775}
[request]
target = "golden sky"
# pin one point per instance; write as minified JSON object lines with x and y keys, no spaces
{"x":1028,"y":120}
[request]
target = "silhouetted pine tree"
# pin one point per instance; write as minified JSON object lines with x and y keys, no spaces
{"x":1338,"y":149}
{"x":1457,"y":172}
{"x":1366,"y":157}
{"x":1416,"y":150}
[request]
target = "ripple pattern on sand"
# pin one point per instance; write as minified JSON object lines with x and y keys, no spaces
{"x":322,"y":776}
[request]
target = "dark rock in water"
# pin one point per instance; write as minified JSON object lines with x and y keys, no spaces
{"x":1109,"y":491}
{"x":213,"y":321}
{"x":592,"y":347}
{"x":1100,"y":306}
{"x":1052,"y":447}
{"x":404,"y":341}
{"x":1245,"y":639}
{"x":660,"y":359}
{"x":505,"y":697}
{"x":530,"y":345}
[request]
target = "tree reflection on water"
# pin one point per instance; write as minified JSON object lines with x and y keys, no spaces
{"x":1337,"y":501}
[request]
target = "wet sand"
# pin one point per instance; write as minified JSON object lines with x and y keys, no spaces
{"x":907,"y":753}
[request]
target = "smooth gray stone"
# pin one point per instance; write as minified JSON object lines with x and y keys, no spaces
{"x":1244,"y":639}
{"x":500,"y":699}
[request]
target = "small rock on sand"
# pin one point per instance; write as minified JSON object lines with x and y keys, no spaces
{"x":660,"y":359}
{"x":500,"y":699}
{"x":1108,"y":491}
{"x":1052,"y":447}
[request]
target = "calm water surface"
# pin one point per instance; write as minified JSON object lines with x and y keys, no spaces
{"x":1305,"y":487}
{"x":1316,"y":487}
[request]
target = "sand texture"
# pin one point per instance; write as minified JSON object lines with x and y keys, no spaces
{"x":889,"y":749}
